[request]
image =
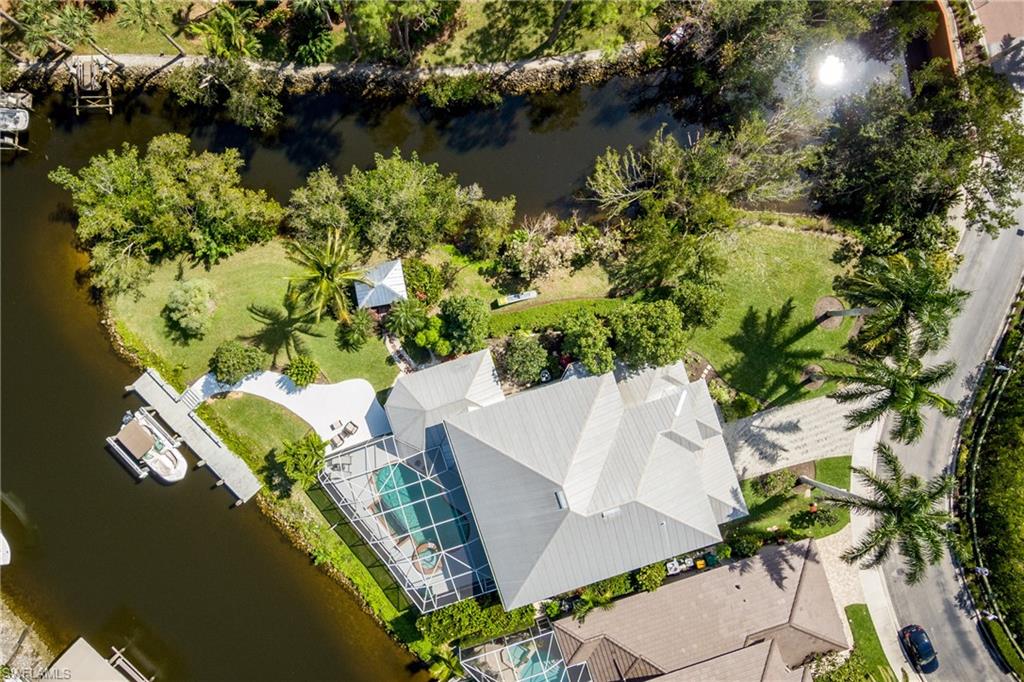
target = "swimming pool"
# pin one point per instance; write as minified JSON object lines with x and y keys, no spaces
{"x":530,"y":666}
{"x":414,"y":506}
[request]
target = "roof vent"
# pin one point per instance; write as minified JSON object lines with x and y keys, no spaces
{"x":560,"y":499}
{"x":610,"y":513}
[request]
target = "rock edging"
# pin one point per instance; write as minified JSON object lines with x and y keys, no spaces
{"x":372,"y":80}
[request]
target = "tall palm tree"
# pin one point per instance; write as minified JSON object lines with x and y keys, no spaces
{"x":908,"y":518}
{"x":901,"y":296}
{"x":144,"y":15}
{"x":901,"y":386}
{"x":283,"y":329}
{"x":327,"y":277}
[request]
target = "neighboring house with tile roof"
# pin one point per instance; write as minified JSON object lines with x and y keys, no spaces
{"x":385,"y":284}
{"x":593,"y":476}
{"x":756,"y":619}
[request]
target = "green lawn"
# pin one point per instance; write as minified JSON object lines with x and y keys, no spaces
{"x":588,"y":282}
{"x":117,"y":40}
{"x":254,"y":428}
{"x":258,"y":275}
{"x":865,"y":640}
{"x":775,"y":511}
{"x":766,"y":334}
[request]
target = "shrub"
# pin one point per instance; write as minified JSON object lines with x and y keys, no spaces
{"x":352,"y":335}
{"x":423,"y":281}
{"x":537,"y":248}
{"x":233,"y":360}
{"x":648,"y":334}
{"x":303,"y":370}
{"x":723,"y":551}
{"x":190,"y":306}
{"x":446,"y":92}
{"x":486,"y":227}
{"x":743,"y":546}
{"x":553,"y":609}
{"x":304,"y":459}
{"x":775,"y":482}
{"x":524,"y":358}
{"x":467,"y":622}
{"x":465,"y":323}
{"x":742,"y":405}
{"x":616,"y":586}
{"x":825,"y":516}
{"x":649,"y":578}
{"x":430,"y":338}
{"x":586,"y":339}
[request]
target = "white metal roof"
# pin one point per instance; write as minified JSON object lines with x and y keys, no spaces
{"x":638,"y":460}
{"x":386,"y":285}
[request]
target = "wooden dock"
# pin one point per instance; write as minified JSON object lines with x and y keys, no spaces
{"x":231,"y":471}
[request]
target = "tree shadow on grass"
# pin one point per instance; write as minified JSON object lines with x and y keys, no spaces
{"x":768,"y":363}
{"x":506,"y":23}
{"x":274,"y":477}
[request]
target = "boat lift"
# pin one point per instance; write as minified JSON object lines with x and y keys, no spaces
{"x":91,"y":78}
{"x":14,"y":114}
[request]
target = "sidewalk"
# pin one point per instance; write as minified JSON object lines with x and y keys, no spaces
{"x":876,"y":593}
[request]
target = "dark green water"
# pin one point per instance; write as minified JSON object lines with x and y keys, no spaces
{"x":197,"y":590}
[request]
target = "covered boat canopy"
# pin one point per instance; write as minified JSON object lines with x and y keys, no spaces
{"x":135,"y":439}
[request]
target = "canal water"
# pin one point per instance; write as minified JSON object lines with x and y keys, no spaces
{"x":194,"y":589}
{"x":197,"y":590}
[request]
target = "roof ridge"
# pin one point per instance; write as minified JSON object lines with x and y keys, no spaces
{"x":607,"y":382}
{"x":796,"y":597}
{"x":612,"y":640}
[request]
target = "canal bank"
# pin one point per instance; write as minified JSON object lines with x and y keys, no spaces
{"x":194,"y":589}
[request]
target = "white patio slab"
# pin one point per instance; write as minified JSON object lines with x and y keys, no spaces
{"x":319,"y":405}
{"x":792,"y":434}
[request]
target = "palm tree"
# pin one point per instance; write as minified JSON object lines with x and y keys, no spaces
{"x":902,"y":387}
{"x":589,"y":599}
{"x":283,"y":329}
{"x":303,"y":459}
{"x":446,"y":665}
{"x":144,"y":15}
{"x":327,"y":277}
{"x":227,"y":31}
{"x":406,"y":318}
{"x":908,"y":519}
{"x":902,"y":296}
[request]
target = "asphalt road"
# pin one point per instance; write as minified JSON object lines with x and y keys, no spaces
{"x":992,"y":271}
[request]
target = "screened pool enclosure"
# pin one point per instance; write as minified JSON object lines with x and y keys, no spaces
{"x":411,"y":508}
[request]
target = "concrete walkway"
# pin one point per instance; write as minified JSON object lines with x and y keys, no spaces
{"x":319,"y":405}
{"x":792,"y":434}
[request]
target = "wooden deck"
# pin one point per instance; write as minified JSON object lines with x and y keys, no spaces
{"x":231,"y":471}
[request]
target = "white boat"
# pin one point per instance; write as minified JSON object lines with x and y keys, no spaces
{"x":5,"y":551}
{"x":13,"y":120}
{"x":146,"y":447}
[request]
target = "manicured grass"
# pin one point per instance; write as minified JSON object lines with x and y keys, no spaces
{"x":766,"y":334}
{"x":587,"y":282}
{"x":254,"y":428}
{"x":865,"y":640}
{"x":117,"y":40}
{"x":501,"y":31}
{"x":258,"y":276}
{"x":1005,"y":646}
{"x":776,"y":511}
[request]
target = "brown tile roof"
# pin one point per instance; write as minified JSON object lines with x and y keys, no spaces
{"x":782,"y":594}
{"x":760,"y":662}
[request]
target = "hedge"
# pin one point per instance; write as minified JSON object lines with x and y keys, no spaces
{"x":1005,"y":646}
{"x":469,"y":623}
{"x":540,"y":317}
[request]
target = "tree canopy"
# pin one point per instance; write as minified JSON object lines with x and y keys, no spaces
{"x":897,"y":164}
{"x":464,"y":323}
{"x":402,"y":205}
{"x":134,"y":210}
{"x":648,"y":334}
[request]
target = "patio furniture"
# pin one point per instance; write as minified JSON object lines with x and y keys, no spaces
{"x":673,"y":567}
{"x":349,"y":429}
{"x":337,"y":441}
{"x":336,"y":426}
{"x":687,"y":563}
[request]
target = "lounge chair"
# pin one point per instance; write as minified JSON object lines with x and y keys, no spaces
{"x":337,"y":441}
{"x":349,"y":429}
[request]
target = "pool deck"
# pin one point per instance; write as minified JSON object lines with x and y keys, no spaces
{"x":231,"y":471}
